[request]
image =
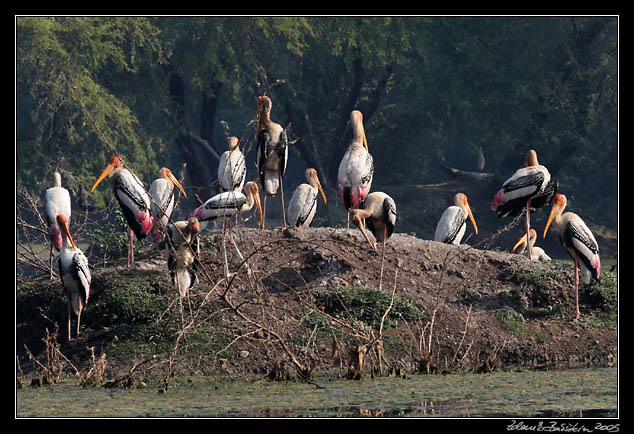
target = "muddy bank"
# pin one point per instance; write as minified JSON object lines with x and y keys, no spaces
{"x":322,"y":300}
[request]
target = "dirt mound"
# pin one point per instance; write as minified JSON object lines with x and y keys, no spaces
{"x":319,"y":299}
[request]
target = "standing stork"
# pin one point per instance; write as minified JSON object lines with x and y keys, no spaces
{"x":303,"y":204}
{"x":578,"y":241}
{"x":356,"y":169}
{"x":453,"y":222}
{"x":180,"y":259}
{"x":163,"y":201}
{"x":529,"y":188}
{"x":133,"y":199}
{"x":272,"y":154}
{"x":232,"y":169}
{"x":537,"y":253}
{"x":57,"y":201}
{"x":74,"y":272}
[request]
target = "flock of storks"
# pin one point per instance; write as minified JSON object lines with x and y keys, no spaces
{"x":149,"y":212}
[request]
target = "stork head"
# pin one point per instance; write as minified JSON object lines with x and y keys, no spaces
{"x":358,"y":221}
{"x":114,"y":163}
{"x":559,"y":203}
{"x":62,"y":221}
{"x":460,"y":200}
{"x":311,"y":176}
{"x":164,"y":172}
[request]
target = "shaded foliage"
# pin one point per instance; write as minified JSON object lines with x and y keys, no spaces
{"x":432,"y":89}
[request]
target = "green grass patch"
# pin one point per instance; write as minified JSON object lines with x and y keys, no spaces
{"x":368,"y":305}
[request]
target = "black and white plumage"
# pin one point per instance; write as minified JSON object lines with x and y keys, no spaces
{"x":453,"y":223}
{"x":379,"y":214}
{"x":74,"y":273}
{"x":356,"y":170}
{"x":232,"y":169}
{"x":228,"y":204}
{"x":57,"y":201}
{"x":272,"y":154}
{"x":537,"y":253}
{"x":163,"y":200}
{"x":303,"y":204}
{"x":133,"y":199}
{"x":578,"y":241}
{"x":180,"y":258}
{"x":530,"y":187}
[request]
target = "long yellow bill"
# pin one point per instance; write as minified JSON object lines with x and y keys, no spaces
{"x":61,"y":220}
{"x":475,"y":226}
{"x":519,"y":243}
{"x":109,"y":168}
{"x":255,"y":191}
{"x":365,"y":142}
{"x":321,"y":190}
{"x":553,"y":212}
{"x":178,"y":185}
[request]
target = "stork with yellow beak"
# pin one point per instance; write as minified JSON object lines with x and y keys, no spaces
{"x":75,"y":274}
{"x":133,"y":199}
{"x":537,"y":253}
{"x":578,"y":241}
{"x":356,"y":169}
{"x":453,"y":222}
{"x":163,"y":201}
{"x":303,"y":204}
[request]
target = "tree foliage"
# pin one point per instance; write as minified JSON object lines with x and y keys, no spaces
{"x":432,"y":90}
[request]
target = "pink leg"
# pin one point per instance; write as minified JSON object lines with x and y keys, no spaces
{"x":68,"y":311}
{"x":528,"y":227}
{"x":130,"y":249}
{"x":577,"y":314}
{"x":263,"y":212}
{"x":282,"y":195}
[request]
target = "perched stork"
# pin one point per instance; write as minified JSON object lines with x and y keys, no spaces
{"x":180,"y":259}
{"x":272,"y":154}
{"x":133,"y":199}
{"x":75,"y":274}
{"x":453,"y":222}
{"x":232,"y":169}
{"x":529,"y":187}
{"x":578,"y":241}
{"x":57,"y":201}
{"x":356,"y":168}
{"x":228,"y":204}
{"x":537,"y":253}
{"x":162,"y":201}
{"x":379,"y":213}
{"x":303,"y":204}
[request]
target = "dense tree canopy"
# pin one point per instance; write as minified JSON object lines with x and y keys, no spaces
{"x":432,"y":89}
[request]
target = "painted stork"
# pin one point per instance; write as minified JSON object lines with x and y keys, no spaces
{"x":529,"y":188}
{"x":133,"y":199}
{"x":453,"y":222}
{"x":74,"y":272}
{"x":537,"y":253}
{"x":163,"y":201}
{"x":57,"y":201}
{"x":303,"y":204}
{"x":228,"y":204}
{"x":232,"y":169}
{"x":180,"y":259}
{"x":578,"y":241}
{"x":272,"y":154}
{"x":356,"y":168}
{"x":379,"y":214}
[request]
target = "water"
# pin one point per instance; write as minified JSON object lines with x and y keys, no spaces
{"x":571,"y":393}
